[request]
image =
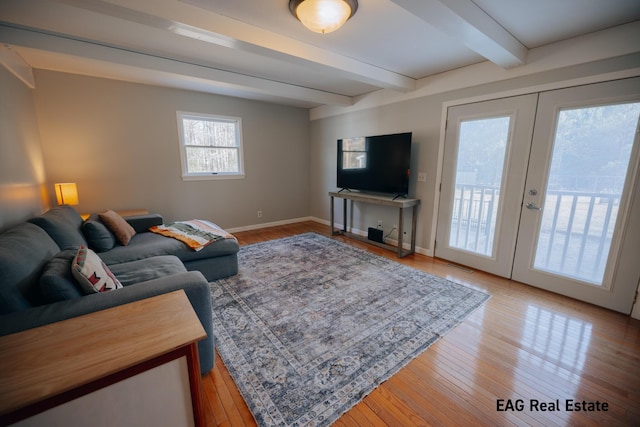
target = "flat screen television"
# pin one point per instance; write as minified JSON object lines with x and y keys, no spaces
{"x":377,"y":164}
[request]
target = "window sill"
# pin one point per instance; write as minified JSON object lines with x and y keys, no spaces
{"x":209,"y":177}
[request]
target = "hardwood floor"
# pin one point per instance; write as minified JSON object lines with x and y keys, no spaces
{"x":524,"y":344}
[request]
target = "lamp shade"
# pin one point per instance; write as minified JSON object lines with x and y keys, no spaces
{"x":323,"y":16}
{"x":66,"y":193}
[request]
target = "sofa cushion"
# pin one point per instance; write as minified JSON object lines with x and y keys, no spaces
{"x":145,"y":245}
{"x":129,"y":273}
{"x":57,"y":282}
{"x":98,"y":236}
{"x":141,"y":223}
{"x":63,"y":224}
{"x":91,"y":273}
{"x":118,"y":226}
{"x":24,"y":250}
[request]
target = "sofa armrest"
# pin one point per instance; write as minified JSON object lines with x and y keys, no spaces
{"x":193,"y":283}
{"x":141,"y":223}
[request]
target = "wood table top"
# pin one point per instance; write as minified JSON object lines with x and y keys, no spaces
{"x":43,"y":362}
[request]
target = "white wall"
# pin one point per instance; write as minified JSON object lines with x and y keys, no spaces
{"x":22,"y":172}
{"x":119,"y":142}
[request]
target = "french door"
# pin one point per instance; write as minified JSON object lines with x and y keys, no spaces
{"x":486,"y":151}
{"x":543,"y":189}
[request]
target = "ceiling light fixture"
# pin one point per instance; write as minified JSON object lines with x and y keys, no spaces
{"x":323,"y":16}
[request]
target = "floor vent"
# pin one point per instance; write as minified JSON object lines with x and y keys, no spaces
{"x":459,"y":267}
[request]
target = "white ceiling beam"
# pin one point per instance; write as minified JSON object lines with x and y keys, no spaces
{"x":16,"y":65}
{"x":187,"y":20}
{"x":68,"y":46}
{"x":465,"y":21}
{"x":613,"y":54}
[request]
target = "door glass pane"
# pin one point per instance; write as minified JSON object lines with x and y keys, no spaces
{"x":591,"y":153}
{"x":482,"y":147}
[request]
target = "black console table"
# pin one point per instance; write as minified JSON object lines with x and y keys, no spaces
{"x":375,"y":199}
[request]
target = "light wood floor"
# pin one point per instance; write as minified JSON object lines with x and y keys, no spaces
{"x":524,"y":344}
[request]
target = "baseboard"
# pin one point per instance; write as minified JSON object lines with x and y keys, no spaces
{"x":635,"y":310}
{"x":270,"y":224}
{"x":364,"y":233}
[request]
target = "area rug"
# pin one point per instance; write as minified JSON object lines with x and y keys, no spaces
{"x":310,"y":325}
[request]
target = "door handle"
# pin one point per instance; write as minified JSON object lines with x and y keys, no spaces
{"x":533,"y":206}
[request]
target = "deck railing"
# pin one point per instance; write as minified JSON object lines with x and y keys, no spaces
{"x":575,"y":233}
{"x":475,"y":208}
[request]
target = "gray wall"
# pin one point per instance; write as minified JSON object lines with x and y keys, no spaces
{"x":423,"y":117}
{"x":119,"y":142}
{"x":22,"y":173}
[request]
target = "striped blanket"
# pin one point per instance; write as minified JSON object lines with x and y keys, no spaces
{"x":195,"y":233}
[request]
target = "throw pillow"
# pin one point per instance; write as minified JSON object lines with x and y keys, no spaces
{"x":118,"y":226}
{"x":91,"y":273}
{"x":98,"y":236}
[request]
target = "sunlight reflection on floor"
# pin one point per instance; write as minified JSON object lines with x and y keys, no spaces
{"x":557,"y":343}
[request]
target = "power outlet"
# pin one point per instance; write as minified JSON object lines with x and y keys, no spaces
{"x":259,"y":214}
{"x":379,"y":223}
{"x":422,"y":177}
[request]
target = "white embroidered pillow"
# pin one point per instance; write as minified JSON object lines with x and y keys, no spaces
{"x":91,"y":273}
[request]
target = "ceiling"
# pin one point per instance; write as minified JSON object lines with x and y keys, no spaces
{"x":256,"y":49}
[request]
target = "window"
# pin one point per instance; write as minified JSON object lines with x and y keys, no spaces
{"x":354,"y":153}
{"x":210,"y":146}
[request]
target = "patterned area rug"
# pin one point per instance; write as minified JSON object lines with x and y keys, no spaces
{"x":311,"y":325}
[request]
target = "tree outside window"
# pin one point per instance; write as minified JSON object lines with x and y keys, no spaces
{"x":210,"y":146}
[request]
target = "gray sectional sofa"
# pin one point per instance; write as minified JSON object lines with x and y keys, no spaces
{"x":37,"y":287}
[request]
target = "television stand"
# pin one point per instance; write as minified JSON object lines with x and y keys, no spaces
{"x":382,"y":201}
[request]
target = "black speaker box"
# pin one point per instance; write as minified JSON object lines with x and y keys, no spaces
{"x":375,"y":235}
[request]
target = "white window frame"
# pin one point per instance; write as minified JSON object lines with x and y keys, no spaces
{"x":194,"y":176}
